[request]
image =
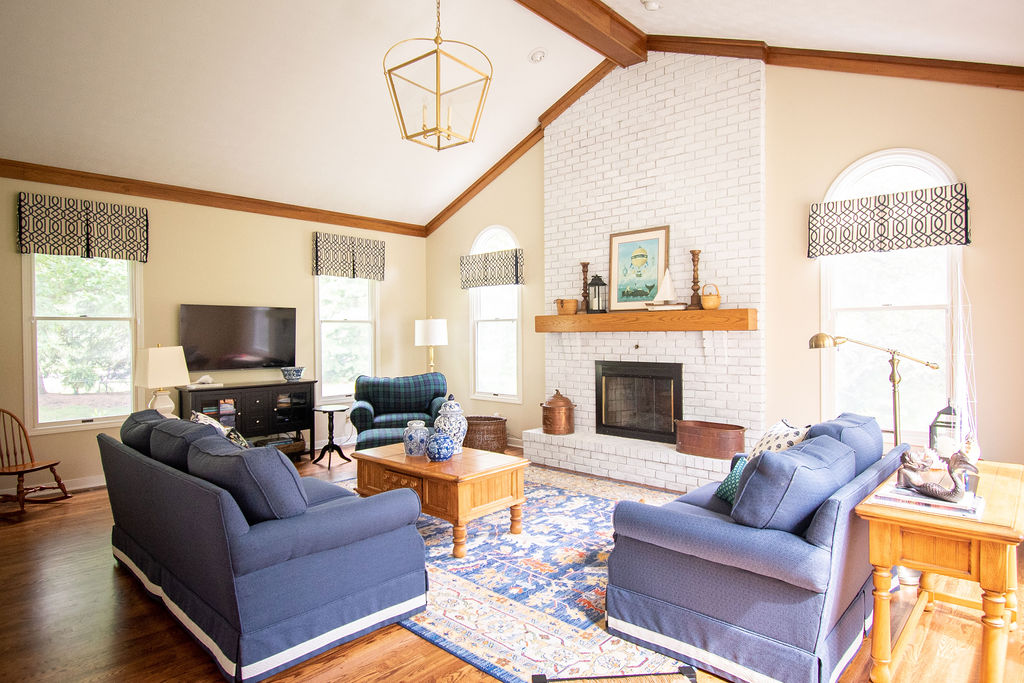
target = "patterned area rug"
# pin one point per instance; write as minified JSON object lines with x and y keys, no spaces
{"x":533,"y":603}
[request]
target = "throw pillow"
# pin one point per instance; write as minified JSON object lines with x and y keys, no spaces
{"x":170,"y":440}
{"x":779,"y":437}
{"x":859,"y":432}
{"x":729,"y":486}
{"x":138,"y":427}
{"x":262,"y":481}
{"x":785,"y":488}
{"x":233,"y":435}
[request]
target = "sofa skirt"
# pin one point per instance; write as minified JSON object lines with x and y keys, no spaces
{"x":257,"y":654}
{"x":729,"y":652}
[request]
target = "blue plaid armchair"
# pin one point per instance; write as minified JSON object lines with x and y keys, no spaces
{"x":384,"y":406}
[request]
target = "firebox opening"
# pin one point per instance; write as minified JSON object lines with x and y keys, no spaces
{"x":639,"y":400}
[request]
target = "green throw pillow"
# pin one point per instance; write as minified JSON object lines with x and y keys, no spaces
{"x":727,"y":489}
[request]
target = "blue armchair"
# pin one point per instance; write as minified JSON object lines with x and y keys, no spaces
{"x":785,"y":595}
{"x":384,"y":406}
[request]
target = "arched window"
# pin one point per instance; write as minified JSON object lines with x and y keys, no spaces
{"x":900,"y":299}
{"x":495,"y":327}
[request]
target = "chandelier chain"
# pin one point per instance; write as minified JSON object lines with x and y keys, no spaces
{"x":438,"y":21}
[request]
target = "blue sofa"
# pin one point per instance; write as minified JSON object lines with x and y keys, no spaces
{"x":384,"y":406}
{"x":263,"y":567}
{"x":783,"y":596}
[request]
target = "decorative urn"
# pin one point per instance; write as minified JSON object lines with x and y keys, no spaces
{"x":415,"y":438}
{"x":452,"y":422}
{"x":557,"y":414}
{"x":440,"y":447}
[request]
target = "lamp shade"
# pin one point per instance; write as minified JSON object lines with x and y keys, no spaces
{"x":161,"y":366}
{"x":433,"y":332}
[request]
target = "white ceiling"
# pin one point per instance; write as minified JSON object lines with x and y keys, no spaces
{"x":286,"y":101}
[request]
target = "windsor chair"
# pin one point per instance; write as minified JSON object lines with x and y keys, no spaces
{"x":16,"y":460}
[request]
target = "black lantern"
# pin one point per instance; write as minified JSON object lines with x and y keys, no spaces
{"x":944,"y":424}
{"x":598,"y":290}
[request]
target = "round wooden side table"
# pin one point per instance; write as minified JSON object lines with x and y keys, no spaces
{"x":331,"y":447}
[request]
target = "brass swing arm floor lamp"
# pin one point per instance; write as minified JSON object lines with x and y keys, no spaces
{"x":827,"y":341}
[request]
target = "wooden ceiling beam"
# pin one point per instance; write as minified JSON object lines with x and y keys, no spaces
{"x":53,"y":175}
{"x":596,"y":25}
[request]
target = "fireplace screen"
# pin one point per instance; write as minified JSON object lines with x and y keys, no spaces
{"x":639,"y":400}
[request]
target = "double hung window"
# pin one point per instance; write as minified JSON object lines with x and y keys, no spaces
{"x":495,"y":313}
{"x":346,"y":316}
{"x":902,"y":299}
{"x":79,"y":340}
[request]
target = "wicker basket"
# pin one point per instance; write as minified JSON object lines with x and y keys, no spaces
{"x":486,"y":433}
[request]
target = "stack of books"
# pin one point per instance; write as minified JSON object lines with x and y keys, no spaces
{"x":971,"y":505}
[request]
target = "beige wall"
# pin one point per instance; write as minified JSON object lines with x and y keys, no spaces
{"x":516,"y":201}
{"x":818,"y":123}
{"x":214,"y":256}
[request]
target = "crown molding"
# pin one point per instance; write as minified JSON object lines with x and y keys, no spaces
{"x":486,"y":179}
{"x":53,"y":175}
{"x":577,"y":91}
{"x":942,"y":70}
{"x":717,"y":47}
{"x":596,"y":25}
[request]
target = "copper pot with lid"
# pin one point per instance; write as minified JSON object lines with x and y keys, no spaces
{"x":558,"y":414}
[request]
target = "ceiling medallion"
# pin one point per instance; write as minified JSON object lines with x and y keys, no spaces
{"x":438,"y":95}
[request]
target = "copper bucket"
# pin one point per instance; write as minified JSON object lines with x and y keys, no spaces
{"x":558,"y":414}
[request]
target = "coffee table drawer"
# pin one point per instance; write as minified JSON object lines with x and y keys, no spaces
{"x":391,"y":480}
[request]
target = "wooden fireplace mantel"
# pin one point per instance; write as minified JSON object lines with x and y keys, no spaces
{"x":650,"y":321}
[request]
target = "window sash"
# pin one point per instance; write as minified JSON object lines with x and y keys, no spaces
{"x":372,"y":321}
{"x":31,"y":372}
{"x":480,"y":390}
{"x":947,"y":365}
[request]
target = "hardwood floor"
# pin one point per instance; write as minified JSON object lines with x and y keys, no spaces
{"x":70,"y":614}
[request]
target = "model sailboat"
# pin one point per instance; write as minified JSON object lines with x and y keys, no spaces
{"x":666,"y":299}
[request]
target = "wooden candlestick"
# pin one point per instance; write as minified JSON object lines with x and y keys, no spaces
{"x":586,"y":291}
{"x":695,"y":304}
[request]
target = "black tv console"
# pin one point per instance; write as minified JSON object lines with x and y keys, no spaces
{"x":256,"y":408}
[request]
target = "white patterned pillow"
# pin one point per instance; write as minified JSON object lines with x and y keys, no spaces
{"x":779,"y":437}
{"x":232,"y":434}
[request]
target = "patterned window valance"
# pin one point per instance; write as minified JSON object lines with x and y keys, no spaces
{"x":492,"y":268}
{"x":79,"y":227}
{"x":347,"y":256}
{"x":905,"y":220}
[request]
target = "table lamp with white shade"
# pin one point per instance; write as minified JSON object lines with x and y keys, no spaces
{"x":158,"y":368}
{"x":431,"y":333}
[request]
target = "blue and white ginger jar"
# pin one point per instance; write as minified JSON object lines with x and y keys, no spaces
{"x":440,"y":447}
{"x":452,"y":422}
{"x":415,"y":438}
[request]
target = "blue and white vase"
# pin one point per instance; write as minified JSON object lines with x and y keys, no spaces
{"x":440,"y":447}
{"x":415,"y":438}
{"x":452,"y":422}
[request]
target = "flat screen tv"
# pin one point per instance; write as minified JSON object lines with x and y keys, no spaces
{"x":236,"y":337}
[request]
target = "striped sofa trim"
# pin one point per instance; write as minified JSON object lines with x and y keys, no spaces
{"x":283,"y":657}
{"x":688,"y":650}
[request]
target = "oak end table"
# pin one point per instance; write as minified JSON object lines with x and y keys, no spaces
{"x":472,"y":484}
{"x":982,"y":550}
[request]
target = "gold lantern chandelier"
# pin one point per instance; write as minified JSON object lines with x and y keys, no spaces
{"x":438,"y":95}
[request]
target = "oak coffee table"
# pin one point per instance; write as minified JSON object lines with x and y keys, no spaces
{"x":472,"y":484}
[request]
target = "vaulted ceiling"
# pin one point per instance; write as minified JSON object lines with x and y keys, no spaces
{"x":286,"y":101}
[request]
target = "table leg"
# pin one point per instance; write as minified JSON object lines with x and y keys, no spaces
{"x":458,"y":540}
{"x":516,"y":527}
{"x":927,"y":586}
{"x":881,"y":645}
{"x":993,"y":637}
{"x":1011,"y":588}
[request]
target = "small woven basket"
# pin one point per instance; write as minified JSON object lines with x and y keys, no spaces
{"x":486,"y":432}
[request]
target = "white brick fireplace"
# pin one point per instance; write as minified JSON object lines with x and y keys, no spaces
{"x":677,"y":141}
